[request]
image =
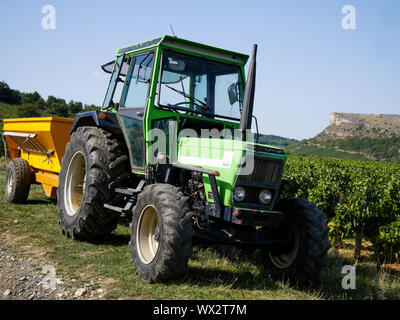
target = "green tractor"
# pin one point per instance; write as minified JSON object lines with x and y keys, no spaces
{"x":172,"y":150}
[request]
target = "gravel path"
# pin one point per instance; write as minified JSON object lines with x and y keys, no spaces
{"x":22,"y":279}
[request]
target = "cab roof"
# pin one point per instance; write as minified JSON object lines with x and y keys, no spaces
{"x":191,"y":46}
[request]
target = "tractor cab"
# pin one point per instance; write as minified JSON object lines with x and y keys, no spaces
{"x":170,"y":79}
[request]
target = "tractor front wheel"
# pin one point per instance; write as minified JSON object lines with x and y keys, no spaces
{"x":161,"y":233}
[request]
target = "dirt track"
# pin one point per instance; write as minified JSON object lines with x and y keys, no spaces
{"x":30,"y":279}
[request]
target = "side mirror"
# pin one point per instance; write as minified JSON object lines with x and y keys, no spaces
{"x":233,"y":93}
{"x":176,"y":65}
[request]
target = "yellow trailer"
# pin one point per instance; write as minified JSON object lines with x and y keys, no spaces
{"x":36,"y":148}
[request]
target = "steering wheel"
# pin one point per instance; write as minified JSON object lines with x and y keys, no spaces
{"x":185,"y":103}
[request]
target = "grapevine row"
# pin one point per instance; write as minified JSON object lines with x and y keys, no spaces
{"x":360,"y":198}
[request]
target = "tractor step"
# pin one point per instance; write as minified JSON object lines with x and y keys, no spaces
{"x":132,"y":193}
{"x":113,"y":208}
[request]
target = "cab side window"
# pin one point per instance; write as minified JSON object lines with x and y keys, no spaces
{"x":138,"y":82}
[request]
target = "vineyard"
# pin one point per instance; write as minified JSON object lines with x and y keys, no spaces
{"x":361,"y":199}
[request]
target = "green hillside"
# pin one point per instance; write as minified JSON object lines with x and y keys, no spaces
{"x":8,"y":111}
{"x":308,"y":149}
{"x":357,"y":148}
{"x":276,"y":140}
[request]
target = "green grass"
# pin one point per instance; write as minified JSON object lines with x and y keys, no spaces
{"x":218,"y":272}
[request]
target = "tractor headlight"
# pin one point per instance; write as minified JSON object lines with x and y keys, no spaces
{"x":239,"y":193}
{"x":265,"y":196}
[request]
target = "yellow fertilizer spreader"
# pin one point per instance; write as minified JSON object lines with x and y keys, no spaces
{"x":36,"y":148}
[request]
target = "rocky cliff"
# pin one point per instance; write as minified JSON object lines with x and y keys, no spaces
{"x":366,"y":125}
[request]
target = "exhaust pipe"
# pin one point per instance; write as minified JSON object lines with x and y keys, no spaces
{"x":248,"y":100}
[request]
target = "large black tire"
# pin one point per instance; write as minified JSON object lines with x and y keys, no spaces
{"x":18,"y":181}
{"x":306,"y":255}
{"x":162,"y":214}
{"x":93,"y":162}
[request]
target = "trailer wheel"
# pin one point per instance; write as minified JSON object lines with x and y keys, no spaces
{"x":161,"y":233}
{"x":18,"y":181}
{"x":306,"y":254}
{"x":94,"y":159}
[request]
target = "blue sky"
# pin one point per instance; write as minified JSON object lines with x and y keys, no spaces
{"x":308,"y":65}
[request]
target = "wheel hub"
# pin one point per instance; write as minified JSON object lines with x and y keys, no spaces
{"x":10,"y":183}
{"x":75,"y":183}
{"x":148,"y":234}
{"x":289,"y":253}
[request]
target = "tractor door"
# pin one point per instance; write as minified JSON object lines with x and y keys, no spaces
{"x":132,"y":106}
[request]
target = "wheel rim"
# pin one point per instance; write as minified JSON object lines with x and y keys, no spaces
{"x":10,"y":183}
{"x":75,"y":183}
{"x":148,"y":233}
{"x":286,"y":259}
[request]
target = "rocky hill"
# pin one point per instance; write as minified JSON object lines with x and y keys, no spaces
{"x":355,"y":136}
{"x":366,"y":125}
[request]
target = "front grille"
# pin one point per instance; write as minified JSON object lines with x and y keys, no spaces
{"x":258,"y":148}
{"x":265,"y":171}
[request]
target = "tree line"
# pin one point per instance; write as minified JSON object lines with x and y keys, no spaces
{"x":34,"y":105}
{"x":14,"y":103}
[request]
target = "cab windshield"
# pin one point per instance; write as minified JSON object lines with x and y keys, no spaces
{"x":200,"y":86}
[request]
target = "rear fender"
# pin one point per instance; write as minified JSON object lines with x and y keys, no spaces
{"x":92,"y":119}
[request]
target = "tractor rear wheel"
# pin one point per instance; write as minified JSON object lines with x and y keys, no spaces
{"x":161,"y":233}
{"x":18,"y":181}
{"x":306,"y":254}
{"x":94,"y":160}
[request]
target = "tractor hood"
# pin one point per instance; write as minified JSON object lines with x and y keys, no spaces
{"x":227,"y":157}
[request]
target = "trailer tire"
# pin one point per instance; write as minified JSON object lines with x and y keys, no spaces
{"x":306,"y":256}
{"x":17,"y":181}
{"x":94,"y":159}
{"x":161,"y":233}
